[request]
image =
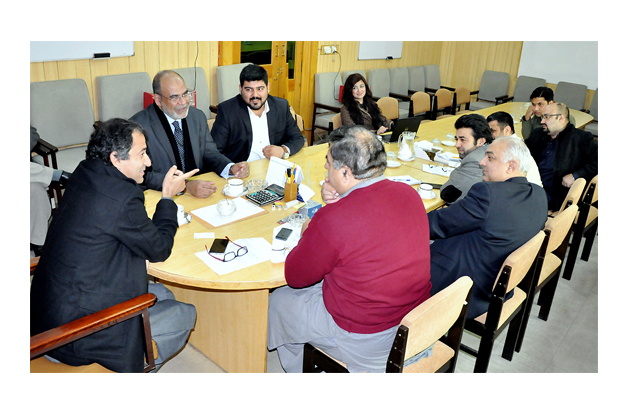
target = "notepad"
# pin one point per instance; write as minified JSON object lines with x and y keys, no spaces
{"x":244,"y":209}
{"x":258,"y":251}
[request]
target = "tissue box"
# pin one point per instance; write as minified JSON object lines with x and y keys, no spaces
{"x":310,"y":208}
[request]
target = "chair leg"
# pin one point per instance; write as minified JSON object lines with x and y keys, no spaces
{"x":483,"y":355}
{"x":572,"y":256}
{"x":514,"y":329}
{"x":548,"y":292}
{"x":590,"y":239}
{"x":523,"y":325}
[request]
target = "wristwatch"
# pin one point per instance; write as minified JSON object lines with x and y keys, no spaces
{"x":286,"y":152}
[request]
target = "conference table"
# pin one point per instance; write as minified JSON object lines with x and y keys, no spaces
{"x":231,"y":326}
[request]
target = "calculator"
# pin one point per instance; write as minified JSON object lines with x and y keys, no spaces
{"x":271,"y":194}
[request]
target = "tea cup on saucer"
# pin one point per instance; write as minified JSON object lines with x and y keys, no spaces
{"x":234,"y":187}
{"x":425,"y":191}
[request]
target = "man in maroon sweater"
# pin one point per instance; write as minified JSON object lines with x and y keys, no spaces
{"x":361,"y":265}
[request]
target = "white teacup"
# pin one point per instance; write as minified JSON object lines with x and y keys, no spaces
{"x":234,"y":187}
{"x":425,"y":190}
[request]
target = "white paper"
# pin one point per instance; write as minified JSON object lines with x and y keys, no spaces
{"x":204,"y":235}
{"x":258,"y":251}
{"x":420,"y":153}
{"x":277,"y":169}
{"x":425,"y":145}
{"x":305,"y":192}
{"x":439,"y":170}
{"x":405,"y":179}
{"x":280,"y":249}
{"x":447,"y":157}
{"x":244,"y":209}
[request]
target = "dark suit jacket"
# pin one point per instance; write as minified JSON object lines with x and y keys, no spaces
{"x":94,"y":257}
{"x":207,"y":157}
{"x":232,"y":130}
{"x":475,"y":235}
{"x":577,"y":153}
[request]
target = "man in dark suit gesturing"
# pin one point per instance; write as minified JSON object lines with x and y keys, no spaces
{"x":254,"y":124}
{"x":96,"y":250}
{"x":475,"y":235}
{"x":177,"y":133}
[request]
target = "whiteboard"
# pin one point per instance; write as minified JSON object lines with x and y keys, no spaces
{"x":41,"y":51}
{"x":576,"y":62}
{"x":379,"y":50}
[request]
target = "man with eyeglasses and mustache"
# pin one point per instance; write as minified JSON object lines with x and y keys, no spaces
{"x":562,"y":152}
{"x":255,"y":125}
{"x":177,"y":133}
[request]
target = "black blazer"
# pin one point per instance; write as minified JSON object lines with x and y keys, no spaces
{"x":232,"y":130}
{"x":94,"y":257}
{"x":576,"y":152}
{"x":475,"y":235}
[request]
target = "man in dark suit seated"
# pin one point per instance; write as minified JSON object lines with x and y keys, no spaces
{"x":177,"y":134}
{"x":475,"y":235}
{"x":95,"y":254}
{"x":254,"y":124}
{"x":562,"y":152}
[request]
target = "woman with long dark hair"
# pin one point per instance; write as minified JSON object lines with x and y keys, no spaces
{"x":359,"y":106}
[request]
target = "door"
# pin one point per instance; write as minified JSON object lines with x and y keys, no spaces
{"x":278,"y":58}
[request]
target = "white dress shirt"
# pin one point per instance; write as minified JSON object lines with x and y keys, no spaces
{"x":260,"y":133}
{"x":225,"y":172}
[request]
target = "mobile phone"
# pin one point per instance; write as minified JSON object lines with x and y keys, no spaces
{"x":219,"y":246}
{"x":279,"y":190}
{"x":284,"y":234}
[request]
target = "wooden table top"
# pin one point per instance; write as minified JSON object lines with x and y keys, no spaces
{"x":184,"y":267}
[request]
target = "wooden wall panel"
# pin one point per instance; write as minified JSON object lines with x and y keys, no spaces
{"x":461,"y":63}
{"x":413,"y":53}
{"x":149,"y":57}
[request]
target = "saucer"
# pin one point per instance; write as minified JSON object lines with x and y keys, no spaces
{"x":231,"y":194}
{"x":393,"y":163}
{"x":424,"y":195}
{"x":449,"y":143}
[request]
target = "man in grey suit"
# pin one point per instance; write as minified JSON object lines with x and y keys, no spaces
{"x":473,"y":136}
{"x":178,"y":134}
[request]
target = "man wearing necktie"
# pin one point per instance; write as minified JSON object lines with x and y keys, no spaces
{"x":178,"y":134}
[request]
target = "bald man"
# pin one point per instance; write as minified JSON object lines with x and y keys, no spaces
{"x":177,"y":133}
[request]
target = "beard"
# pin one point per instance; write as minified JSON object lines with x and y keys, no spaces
{"x":256,"y":103}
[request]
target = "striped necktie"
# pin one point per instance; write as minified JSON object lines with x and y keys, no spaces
{"x":180,"y":142}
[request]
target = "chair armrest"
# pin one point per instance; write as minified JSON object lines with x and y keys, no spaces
{"x":33,"y":264}
{"x":506,"y":99}
{"x":500,"y":99}
{"x":43,"y":148}
{"x":77,"y":329}
{"x":326,"y":107}
{"x":448,"y":87}
{"x":399,"y":96}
